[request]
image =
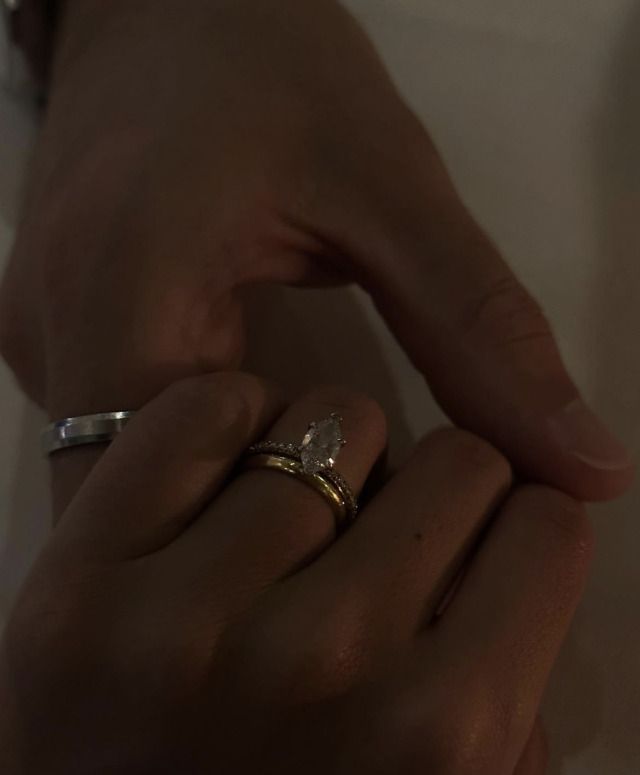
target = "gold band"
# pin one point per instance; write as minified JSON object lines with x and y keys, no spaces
{"x":295,"y":468}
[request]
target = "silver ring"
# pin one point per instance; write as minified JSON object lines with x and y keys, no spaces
{"x":86,"y":429}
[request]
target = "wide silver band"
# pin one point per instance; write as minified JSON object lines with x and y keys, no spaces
{"x":87,"y":429}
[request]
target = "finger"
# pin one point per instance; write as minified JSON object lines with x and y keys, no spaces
{"x":271,"y":523}
{"x":503,"y":629}
{"x":171,"y":459}
{"x":481,"y":340}
{"x":69,"y":469}
{"x":128,"y":378}
{"x":535,"y":757}
{"x":411,"y":539}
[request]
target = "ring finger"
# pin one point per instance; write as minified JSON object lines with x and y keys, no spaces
{"x":272,"y":523}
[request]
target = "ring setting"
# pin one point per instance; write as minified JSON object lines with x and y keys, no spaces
{"x":312,"y":461}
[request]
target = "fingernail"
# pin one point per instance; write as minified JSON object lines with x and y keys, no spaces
{"x":579,"y":430}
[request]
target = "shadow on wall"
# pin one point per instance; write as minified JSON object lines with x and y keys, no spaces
{"x":612,"y":628}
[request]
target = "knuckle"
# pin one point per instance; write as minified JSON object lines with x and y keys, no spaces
{"x":507,"y":313}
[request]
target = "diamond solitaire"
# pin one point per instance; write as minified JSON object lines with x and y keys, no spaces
{"x":321,"y":444}
{"x":312,"y":462}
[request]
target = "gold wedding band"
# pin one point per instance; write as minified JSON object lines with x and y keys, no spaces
{"x":311,"y":462}
{"x":294,"y":468}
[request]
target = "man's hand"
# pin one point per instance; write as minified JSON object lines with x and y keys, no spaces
{"x":192,"y":149}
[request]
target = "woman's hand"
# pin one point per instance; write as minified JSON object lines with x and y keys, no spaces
{"x":192,"y":149}
{"x":184,"y":620}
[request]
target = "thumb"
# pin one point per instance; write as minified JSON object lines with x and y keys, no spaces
{"x":481,"y":340}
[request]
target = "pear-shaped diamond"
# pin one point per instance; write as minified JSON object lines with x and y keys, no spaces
{"x":321,"y":444}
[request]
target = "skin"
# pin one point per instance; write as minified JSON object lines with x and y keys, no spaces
{"x":189,"y":153}
{"x":182,"y":620}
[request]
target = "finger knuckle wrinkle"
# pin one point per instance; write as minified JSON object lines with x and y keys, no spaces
{"x":508,"y":313}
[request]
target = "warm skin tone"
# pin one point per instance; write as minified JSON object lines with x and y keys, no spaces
{"x":182,"y":621}
{"x":190,"y":150}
